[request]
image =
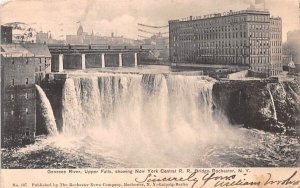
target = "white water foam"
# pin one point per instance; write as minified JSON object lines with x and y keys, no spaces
{"x":47,"y":112}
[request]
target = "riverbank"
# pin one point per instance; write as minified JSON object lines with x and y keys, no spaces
{"x":266,"y":104}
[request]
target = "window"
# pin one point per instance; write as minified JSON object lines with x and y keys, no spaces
{"x":26,"y":82}
{"x":12,"y":97}
{"x":12,"y":82}
{"x":27,"y":132}
{"x":26,"y":110}
{"x":13,"y":61}
{"x":26,"y":95}
{"x":40,"y":68}
{"x":26,"y":60}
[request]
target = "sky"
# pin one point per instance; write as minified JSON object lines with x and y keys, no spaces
{"x":61,"y":17}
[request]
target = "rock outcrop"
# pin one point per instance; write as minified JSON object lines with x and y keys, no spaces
{"x":267,"y":105}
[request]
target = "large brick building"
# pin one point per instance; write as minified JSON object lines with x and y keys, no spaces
{"x":22,"y":66}
{"x":247,"y":38}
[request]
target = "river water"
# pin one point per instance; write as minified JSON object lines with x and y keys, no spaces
{"x":148,"y":118}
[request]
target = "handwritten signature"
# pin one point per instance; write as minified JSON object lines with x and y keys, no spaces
{"x":221,"y":181}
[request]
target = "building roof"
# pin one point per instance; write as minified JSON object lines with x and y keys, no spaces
{"x":80,"y":30}
{"x":25,"y":50}
{"x":225,"y":14}
{"x":292,"y":64}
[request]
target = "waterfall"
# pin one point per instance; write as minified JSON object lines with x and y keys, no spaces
{"x":140,"y":113}
{"x":47,"y":111}
{"x":283,"y":90}
{"x":81,"y":103}
{"x":154,"y":99}
{"x":273,"y":105}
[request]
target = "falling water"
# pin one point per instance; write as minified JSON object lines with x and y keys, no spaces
{"x":47,"y":112}
{"x":283,"y":90}
{"x":273,"y":105}
{"x":148,"y":100}
{"x":164,"y":113}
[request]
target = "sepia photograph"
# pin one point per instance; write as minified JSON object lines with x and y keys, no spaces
{"x":123,"y":84}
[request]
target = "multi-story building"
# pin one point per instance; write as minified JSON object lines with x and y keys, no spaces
{"x":276,"y":45}
{"x":243,"y":38}
{"x":22,"y":66}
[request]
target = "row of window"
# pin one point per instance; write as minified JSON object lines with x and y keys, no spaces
{"x":276,"y":50}
{"x":276,"y":22}
{"x":210,"y":36}
{"x":26,"y":131}
{"x":256,"y":42}
{"x":12,"y":82}
{"x":259,"y":51}
{"x":12,"y":112}
{"x":259,"y":34}
{"x":27,"y":60}
{"x":255,"y":50}
{"x":275,"y":30}
{"x":215,"y":36}
{"x":227,"y":51}
{"x":252,"y":27}
{"x":214,"y":52}
{"x":230,"y":51}
{"x":228,"y":28}
{"x":275,"y":36}
{"x":259,"y":60}
{"x":265,"y":70}
{"x":222,"y":20}
{"x":276,"y":58}
{"x":214,"y":59}
{"x":259,"y":26}
{"x":12,"y":96}
{"x":233,"y":43}
{"x":276,"y":43}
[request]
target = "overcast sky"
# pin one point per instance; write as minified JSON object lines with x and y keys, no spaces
{"x":122,"y":16}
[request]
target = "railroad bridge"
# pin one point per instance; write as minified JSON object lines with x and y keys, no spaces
{"x":68,"y":56}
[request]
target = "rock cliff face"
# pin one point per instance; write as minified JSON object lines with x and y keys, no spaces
{"x":265,"y":105}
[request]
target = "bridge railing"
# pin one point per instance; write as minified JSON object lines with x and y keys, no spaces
{"x":95,"y":47}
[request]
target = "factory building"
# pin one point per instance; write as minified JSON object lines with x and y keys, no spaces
{"x":245,"y":38}
{"x":22,"y":66}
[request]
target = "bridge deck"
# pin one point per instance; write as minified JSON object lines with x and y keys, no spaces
{"x":93,"y":49}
